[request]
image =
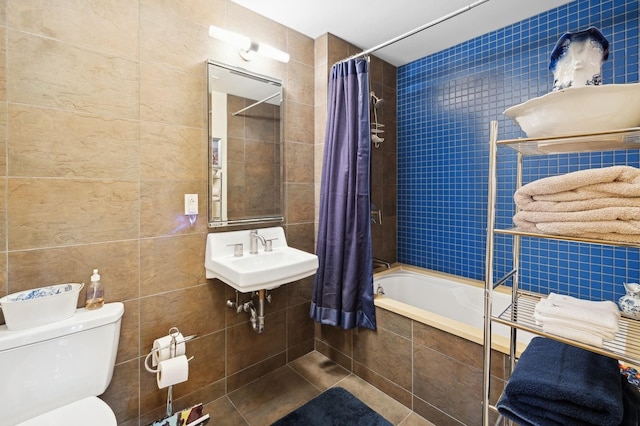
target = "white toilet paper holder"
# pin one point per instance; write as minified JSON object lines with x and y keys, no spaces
{"x":174,"y":333}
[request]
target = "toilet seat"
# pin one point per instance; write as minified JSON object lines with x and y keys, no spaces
{"x":92,"y":410}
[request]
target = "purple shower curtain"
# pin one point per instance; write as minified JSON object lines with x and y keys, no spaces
{"x":343,"y":286}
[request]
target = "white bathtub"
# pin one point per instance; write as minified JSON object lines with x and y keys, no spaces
{"x":443,"y":301}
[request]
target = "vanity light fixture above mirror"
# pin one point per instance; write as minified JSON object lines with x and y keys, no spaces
{"x":247,"y":48}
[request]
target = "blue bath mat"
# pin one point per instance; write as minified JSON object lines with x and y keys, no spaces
{"x":334,"y":407}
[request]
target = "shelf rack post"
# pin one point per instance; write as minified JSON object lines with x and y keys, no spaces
{"x":488,"y":283}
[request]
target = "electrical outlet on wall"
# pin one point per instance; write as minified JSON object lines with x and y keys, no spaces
{"x":190,"y":204}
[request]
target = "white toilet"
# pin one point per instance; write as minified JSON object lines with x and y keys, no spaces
{"x":52,"y":374}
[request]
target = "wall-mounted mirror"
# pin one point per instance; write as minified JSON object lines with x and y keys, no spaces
{"x":245,"y":146}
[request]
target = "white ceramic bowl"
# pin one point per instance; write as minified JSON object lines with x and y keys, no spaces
{"x":40,"y":306}
{"x":579,"y":110}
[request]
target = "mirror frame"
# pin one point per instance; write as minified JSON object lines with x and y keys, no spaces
{"x":215,"y":142}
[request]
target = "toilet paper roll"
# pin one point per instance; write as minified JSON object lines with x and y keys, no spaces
{"x":172,"y":371}
{"x":162,"y":346}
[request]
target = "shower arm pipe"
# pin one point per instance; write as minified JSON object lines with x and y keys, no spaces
{"x":417,"y":30}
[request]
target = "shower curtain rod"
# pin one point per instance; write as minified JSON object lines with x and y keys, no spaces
{"x":256,"y":104}
{"x":417,"y":30}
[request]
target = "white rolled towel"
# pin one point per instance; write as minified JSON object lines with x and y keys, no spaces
{"x":584,"y":317}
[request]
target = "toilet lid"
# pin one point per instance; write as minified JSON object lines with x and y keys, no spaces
{"x":92,"y":410}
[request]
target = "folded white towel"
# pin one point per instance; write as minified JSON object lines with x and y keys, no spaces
{"x":573,"y":334}
{"x":585,"y":317}
{"x":603,"y":333}
{"x":565,"y":300}
{"x":587,"y":314}
{"x":584,"y":321}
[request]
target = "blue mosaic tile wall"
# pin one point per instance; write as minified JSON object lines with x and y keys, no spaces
{"x":445,"y":104}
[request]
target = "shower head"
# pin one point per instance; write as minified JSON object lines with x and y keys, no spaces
{"x":376,"y":101}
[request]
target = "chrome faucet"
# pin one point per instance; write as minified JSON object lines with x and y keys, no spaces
{"x":254,"y":237}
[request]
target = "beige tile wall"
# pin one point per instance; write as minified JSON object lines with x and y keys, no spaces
{"x":384,"y":163}
{"x":102,"y":131}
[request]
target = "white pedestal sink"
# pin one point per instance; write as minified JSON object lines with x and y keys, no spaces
{"x":252,"y":272}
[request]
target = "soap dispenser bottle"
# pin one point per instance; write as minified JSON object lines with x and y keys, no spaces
{"x":95,"y":292}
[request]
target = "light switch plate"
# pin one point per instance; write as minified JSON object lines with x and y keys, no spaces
{"x":190,"y":204}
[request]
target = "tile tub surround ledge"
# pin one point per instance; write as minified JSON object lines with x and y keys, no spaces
{"x":436,"y":367}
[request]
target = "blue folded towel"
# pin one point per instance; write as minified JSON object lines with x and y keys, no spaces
{"x":558,"y":384}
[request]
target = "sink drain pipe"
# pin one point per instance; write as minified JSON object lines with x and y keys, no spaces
{"x":256,"y":317}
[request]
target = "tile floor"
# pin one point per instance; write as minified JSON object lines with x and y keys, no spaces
{"x":266,"y":400}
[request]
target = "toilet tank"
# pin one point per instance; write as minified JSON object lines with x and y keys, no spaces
{"x":46,"y":367}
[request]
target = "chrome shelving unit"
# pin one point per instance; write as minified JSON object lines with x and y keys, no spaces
{"x":519,"y":315}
